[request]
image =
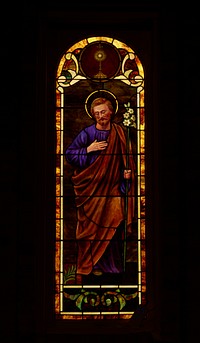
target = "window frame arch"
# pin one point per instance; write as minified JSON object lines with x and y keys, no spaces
{"x":75,"y":75}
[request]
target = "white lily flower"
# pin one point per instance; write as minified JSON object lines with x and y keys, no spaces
{"x":126,"y":122}
{"x":126,"y":115}
{"x":130,"y":118}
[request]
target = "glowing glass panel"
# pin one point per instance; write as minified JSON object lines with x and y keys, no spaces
{"x":100,"y":67}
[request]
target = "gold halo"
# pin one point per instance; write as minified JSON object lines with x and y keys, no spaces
{"x":97,"y":94}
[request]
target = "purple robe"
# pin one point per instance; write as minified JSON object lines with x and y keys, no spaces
{"x":76,"y":153}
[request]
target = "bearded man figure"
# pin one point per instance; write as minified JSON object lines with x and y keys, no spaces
{"x":98,"y":155}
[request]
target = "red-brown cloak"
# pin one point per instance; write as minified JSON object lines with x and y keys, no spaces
{"x":99,"y":201}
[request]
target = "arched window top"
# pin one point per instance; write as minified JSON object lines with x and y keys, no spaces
{"x":115,"y":60}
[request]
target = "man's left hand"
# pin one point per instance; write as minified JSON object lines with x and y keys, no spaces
{"x":127,"y":174}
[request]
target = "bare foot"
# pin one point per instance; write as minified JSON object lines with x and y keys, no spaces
{"x":97,"y":272}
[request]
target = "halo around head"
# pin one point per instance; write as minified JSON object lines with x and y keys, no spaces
{"x":101,"y":93}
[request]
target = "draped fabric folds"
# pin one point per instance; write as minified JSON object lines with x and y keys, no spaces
{"x":99,"y":201}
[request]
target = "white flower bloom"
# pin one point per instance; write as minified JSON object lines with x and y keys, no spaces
{"x":126,"y":115}
{"x":130,"y":110}
{"x":127,"y":122}
{"x":133,"y":117}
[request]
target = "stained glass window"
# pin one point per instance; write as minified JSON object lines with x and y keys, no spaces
{"x":100,"y":259}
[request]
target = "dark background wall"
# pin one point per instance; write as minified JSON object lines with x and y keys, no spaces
{"x":31,"y":38}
